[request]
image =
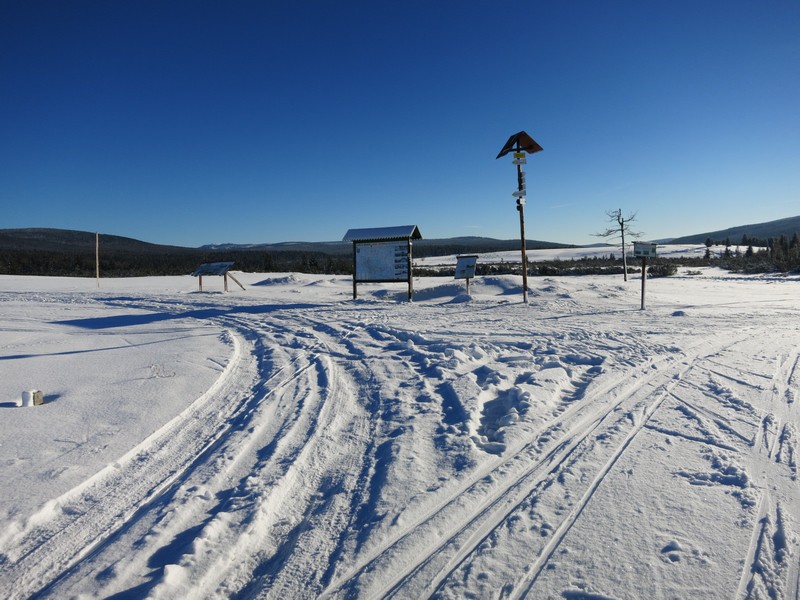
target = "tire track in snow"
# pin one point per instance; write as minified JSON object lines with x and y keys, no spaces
{"x":477,"y":517}
{"x":269,"y":516}
{"x":283,"y":521}
{"x":331,"y":481}
{"x":275,"y":436}
{"x":191,"y":439}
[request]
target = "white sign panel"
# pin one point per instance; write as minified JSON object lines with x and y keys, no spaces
{"x":465,"y":267}
{"x":647,"y":249}
{"x":382,"y":261}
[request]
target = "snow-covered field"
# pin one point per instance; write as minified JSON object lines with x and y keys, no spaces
{"x":290,"y":442}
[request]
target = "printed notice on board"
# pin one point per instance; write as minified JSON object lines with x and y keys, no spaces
{"x":382,"y":261}
{"x":465,"y":267}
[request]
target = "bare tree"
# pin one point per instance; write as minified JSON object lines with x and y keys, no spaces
{"x":619,"y":232}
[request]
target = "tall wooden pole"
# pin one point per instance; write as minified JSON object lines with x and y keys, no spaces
{"x":97,"y":257}
{"x":621,"y":222}
{"x":521,"y":209}
{"x":521,"y":144}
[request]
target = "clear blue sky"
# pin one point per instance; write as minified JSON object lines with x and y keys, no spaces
{"x":192,"y":122}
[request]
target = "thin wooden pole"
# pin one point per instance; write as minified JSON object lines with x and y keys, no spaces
{"x":621,"y":222}
{"x":236,"y":280}
{"x":644,"y":277}
{"x":521,"y":209}
{"x":410,"y":273}
{"x":355,"y":271}
{"x":97,"y":257}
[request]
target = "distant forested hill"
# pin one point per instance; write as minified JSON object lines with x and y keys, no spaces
{"x":65,"y":240}
{"x":423,"y":247}
{"x":760,"y":231}
{"x":65,"y":252}
{"x":72,"y":253}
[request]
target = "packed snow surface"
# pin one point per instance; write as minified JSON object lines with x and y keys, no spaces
{"x":288,"y":441}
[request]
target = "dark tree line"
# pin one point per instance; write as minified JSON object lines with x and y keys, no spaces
{"x":745,"y":240}
{"x":778,"y":254}
{"x":129,"y":264}
{"x":596,"y":265}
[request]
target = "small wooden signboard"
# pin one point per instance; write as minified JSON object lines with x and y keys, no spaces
{"x":465,"y":268}
{"x":646,"y":249}
{"x":218,"y":268}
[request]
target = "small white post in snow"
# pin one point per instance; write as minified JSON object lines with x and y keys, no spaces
{"x":32,"y":398}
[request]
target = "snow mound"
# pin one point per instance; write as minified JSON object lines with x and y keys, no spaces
{"x":446,"y":290}
{"x":461,"y":298}
{"x":291,"y":279}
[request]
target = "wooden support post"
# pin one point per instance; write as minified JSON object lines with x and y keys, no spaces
{"x":644,"y":277}
{"x":410,"y":274}
{"x":200,"y":280}
{"x":225,"y":279}
{"x":237,"y":281}
{"x":355,"y":272}
{"x":97,"y":257}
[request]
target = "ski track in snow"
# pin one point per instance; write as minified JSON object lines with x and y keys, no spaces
{"x":494,"y":508}
{"x":771,"y":570}
{"x":373,"y":449}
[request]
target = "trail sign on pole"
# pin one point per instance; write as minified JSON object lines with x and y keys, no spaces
{"x":644,"y":249}
{"x":521,"y":143}
{"x":465,"y":268}
{"x":647,"y":249}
